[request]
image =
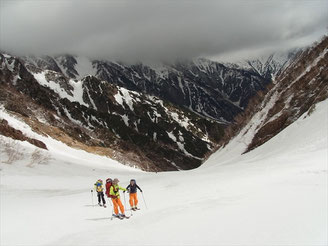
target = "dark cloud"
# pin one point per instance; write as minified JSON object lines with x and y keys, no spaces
{"x":150,"y":29}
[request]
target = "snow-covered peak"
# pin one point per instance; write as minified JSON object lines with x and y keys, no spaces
{"x":268,"y":66}
{"x":76,"y":66}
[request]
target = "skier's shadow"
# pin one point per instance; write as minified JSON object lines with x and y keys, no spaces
{"x":96,"y":219}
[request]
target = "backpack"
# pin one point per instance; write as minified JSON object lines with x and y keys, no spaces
{"x":99,"y":187}
{"x":108,"y":185}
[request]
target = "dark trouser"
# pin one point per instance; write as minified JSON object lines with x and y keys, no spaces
{"x":101,"y":197}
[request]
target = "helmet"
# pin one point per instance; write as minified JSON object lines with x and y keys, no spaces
{"x":109,"y":180}
{"x":99,"y":180}
{"x":116,"y":181}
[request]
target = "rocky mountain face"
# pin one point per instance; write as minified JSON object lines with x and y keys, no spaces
{"x":157,"y":117}
{"x":208,"y":88}
{"x":293,"y":93}
{"x":103,"y":118}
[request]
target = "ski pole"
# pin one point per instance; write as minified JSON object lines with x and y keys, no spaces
{"x":92,"y":198}
{"x":111,"y":218}
{"x":124,"y":200}
{"x":144,"y":200}
{"x":130,"y":207}
{"x":125,"y":204}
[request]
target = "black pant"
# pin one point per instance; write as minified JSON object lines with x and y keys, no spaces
{"x":100,"y":195}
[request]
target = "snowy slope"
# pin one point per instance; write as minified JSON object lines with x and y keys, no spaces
{"x":274,"y":195}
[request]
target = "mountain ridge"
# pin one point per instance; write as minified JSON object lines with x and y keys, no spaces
{"x":206,"y":87}
{"x":127,"y":124}
{"x":294,"y":92}
{"x":141,"y":130}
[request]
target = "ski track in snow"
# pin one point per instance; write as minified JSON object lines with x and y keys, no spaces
{"x":274,"y":195}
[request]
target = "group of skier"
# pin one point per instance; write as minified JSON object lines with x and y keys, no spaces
{"x":113,"y":192}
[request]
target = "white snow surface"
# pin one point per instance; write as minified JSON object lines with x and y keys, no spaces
{"x":84,"y":67}
{"x":77,"y":88}
{"x":274,"y":195}
{"x":123,"y":95}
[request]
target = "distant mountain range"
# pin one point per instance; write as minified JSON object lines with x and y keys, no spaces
{"x":157,"y":117}
{"x":208,"y":88}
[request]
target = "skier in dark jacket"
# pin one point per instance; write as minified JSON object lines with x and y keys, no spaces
{"x":132,"y":189}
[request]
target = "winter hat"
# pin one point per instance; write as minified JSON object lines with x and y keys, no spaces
{"x":115,"y":181}
{"x":109,"y":180}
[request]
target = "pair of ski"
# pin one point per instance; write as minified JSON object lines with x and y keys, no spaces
{"x":120,"y":216}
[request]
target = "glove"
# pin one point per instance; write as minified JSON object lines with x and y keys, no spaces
{"x":141,"y":191}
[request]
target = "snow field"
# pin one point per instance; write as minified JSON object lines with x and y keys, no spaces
{"x":274,"y":195}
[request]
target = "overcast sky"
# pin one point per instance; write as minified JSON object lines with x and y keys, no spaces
{"x":159,"y":30}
